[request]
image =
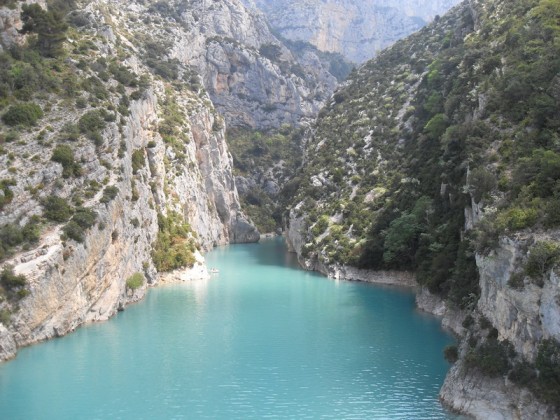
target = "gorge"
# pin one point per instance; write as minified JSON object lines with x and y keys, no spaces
{"x":136,"y":136}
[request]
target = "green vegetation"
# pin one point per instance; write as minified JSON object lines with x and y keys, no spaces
{"x":135,"y":281}
{"x":7,"y":195}
{"x":57,"y":209}
{"x":406,"y":146}
{"x":12,"y":236}
{"x":138,"y":160}
{"x":49,"y":25}
{"x":542,"y":377}
{"x":337,"y":65}
{"x":451,"y":353}
{"x":175,"y":244}
{"x":12,"y":285}
{"x":543,"y":256}
{"x":26,"y":114}
{"x":64,"y":155}
{"x":491,"y":357}
{"x":82,"y":220}
{"x":109,"y":194}
{"x":92,"y":123}
{"x":257,"y":154}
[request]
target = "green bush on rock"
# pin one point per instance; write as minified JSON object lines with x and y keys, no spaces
{"x":135,"y":281}
{"x":26,"y":114}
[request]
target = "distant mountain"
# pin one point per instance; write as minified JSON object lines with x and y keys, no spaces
{"x":358,"y":29}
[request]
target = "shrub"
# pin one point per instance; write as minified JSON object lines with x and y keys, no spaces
{"x":270,"y":51}
{"x":481,"y":182}
{"x":26,"y":114}
{"x":451,"y":353}
{"x":92,"y":122}
{"x":11,"y":282}
{"x":85,"y":218}
{"x":135,"y":281}
{"x":174,"y":246}
{"x":57,"y":209}
{"x":74,"y":231}
{"x":138,"y":160}
{"x":543,"y":256}
{"x":548,"y":365}
{"x":109,"y":193}
{"x":64,"y":155}
{"x":491,"y":357}
{"x":522,"y":374}
{"x":516,"y":218}
{"x":7,"y":195}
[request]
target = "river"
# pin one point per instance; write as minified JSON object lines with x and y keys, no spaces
{"x":261,"y":339}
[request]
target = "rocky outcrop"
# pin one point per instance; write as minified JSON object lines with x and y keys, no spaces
{"x":490,"y":398}
{"x":524,"y":315}
{"x":357,"y":29}
{"x":451,"y":318}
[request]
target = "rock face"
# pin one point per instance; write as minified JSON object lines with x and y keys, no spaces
{"x":490,"y":398}
{"x":523,"y":316}
{"x":163,"y":154}
{"x":252,"y":78}
{"x":355,"y":28}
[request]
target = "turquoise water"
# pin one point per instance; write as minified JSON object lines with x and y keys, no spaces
{"x":262,"y":339}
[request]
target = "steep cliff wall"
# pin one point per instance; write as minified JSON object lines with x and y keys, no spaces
{"x":251,"y":77}
{"x":355,"y":28}
{"x":145,"y":149}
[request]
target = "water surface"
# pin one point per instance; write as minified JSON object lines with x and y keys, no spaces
{"x":262,"y":339}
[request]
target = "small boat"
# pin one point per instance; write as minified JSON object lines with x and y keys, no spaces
{"x":214,"y":271}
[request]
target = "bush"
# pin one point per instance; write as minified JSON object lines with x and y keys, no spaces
{"x":543,"y":256}
{"x":548,"y":366}
{"x":57,"y":209}
{"x":8,"y":195}
{"x":74,"y":231}
{"x":174,"y":246}
{"x":85,"y":218}
{"x":451,"y":353}
{"x":522,"y":374}
{"x":492,"y":357}
{"x":26,"y":114}
{"x":516,"y":218}
{"x":92,"y":122}
{"x":138,"y":160}
{"x":135,"y":281}
{"x":64,"y":155}
{"x":109,"y":193}
{"x":13,"y":284}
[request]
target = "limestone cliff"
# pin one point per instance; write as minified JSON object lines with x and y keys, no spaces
{"x":140,"y":147}
{"x":358,"y":29}
{"x":252,"y":78}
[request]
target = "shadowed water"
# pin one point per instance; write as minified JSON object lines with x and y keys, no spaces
{"x":262,"y":339}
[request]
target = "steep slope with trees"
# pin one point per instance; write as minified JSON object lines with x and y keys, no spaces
{"x":442,"y":157}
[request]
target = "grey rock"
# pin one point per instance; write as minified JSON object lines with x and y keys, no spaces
{"x":8,"y":346}
{"x":355,"y":28}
